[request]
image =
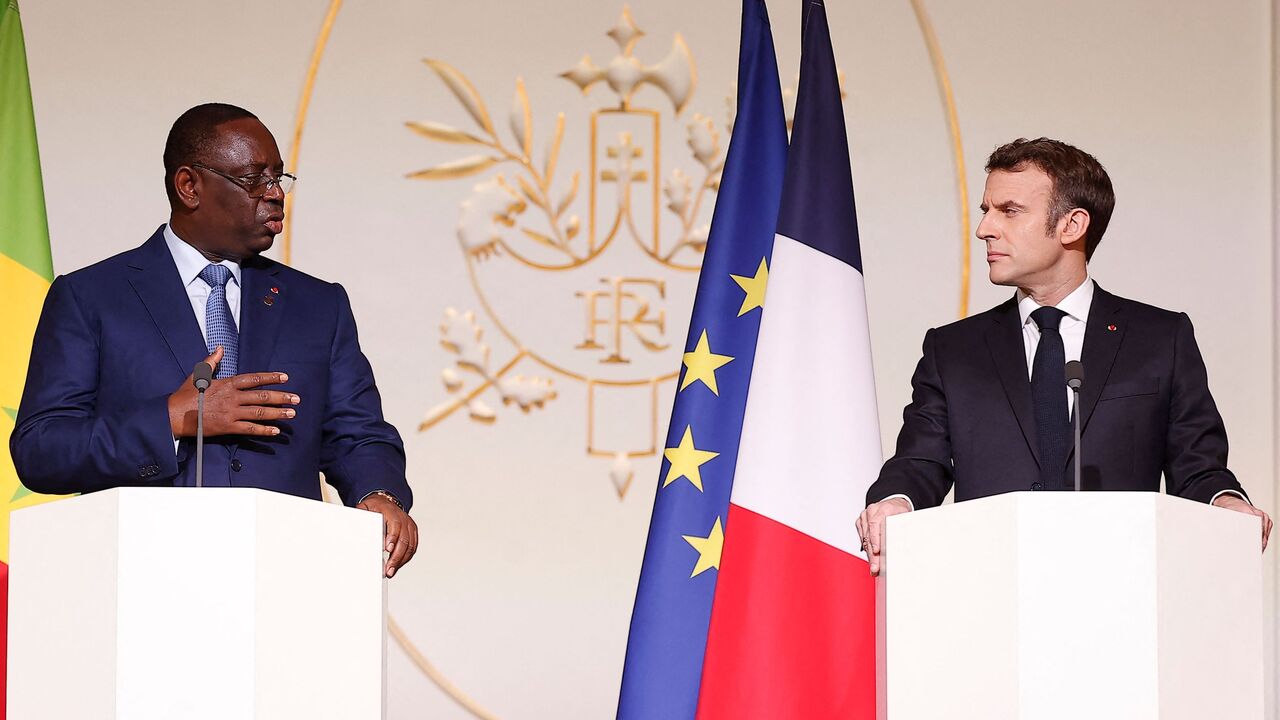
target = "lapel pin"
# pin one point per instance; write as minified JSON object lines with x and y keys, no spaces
{"x":268,"y":300}
{"x":1112,"y":328}
{"x":275,"y":291}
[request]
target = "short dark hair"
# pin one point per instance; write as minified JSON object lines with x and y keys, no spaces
{"x":1079,"y":181}
{"x":192,"y":135}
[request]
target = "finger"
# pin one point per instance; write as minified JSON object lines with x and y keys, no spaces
{"x":874,"y":562}
{"x":398,"y":556}
{"x":413,"y":544}
{"x":215,"y":357}
{"x":862,"y":527}
{"x":252,"y":380}
{"x":267,"y":397}
{"x":243,"y":427}
{"x":875,"y":535}
{"x":257,"y":413}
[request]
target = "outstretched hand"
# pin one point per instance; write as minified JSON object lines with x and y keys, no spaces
{"x":232,"y":406}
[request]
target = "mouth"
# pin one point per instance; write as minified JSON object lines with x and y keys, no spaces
{"x":992,"y":257}
{"x":275,"y":224}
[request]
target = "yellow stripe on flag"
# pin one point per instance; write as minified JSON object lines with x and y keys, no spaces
{"x":21,"y":296}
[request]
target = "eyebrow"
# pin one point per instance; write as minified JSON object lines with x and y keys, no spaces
{"x":1003,"y":206}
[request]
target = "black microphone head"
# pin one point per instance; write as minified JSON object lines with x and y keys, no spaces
{"x":202,"y":375}
{"x":1075,"y":374}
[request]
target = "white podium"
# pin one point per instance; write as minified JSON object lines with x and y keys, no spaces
{"x":195,"y":604}
{"x":1047,"y":606}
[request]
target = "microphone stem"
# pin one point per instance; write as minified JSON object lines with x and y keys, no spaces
{"x":1075,"y":418}
{"x":200,"y":441}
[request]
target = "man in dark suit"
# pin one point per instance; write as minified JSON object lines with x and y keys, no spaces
{"x":109,"y":399}
{"x":990,"y":408}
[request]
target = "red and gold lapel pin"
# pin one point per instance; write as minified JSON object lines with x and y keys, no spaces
{"x":1112,"y":328}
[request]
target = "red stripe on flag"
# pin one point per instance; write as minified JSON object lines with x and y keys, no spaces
{"x":4,"y":637}
{"x":792,"y":628}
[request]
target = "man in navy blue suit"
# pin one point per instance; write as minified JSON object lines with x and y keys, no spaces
{"x":109,"y":399}
{"x":990,"y":410}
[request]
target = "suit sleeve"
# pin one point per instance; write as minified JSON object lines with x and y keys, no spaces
{"x":361,"y":452}
{"x":1196,"y":444}
{"x":61,"y":444}
{"x":921,"y":465}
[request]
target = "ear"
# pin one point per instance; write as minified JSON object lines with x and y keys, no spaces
{"x":186,"y":185}
{"x":1073,"y":227}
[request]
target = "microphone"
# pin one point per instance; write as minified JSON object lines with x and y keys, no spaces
{"x":1075,"y":378}
{"x":201,"y":377}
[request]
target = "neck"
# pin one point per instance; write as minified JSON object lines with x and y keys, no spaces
{"x":1055,"y":291}
{"x":191,"y":234}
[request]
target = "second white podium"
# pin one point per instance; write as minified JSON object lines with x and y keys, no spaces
{"x":1064,"y":606}
{"x":217,"y":603}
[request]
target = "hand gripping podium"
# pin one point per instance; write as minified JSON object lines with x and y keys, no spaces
{"x":195,"y":604}
{"x":1048,"y":606}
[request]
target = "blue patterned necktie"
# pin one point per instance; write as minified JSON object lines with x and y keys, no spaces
{"x":219,"y":325}
{"x":1049,"y":395}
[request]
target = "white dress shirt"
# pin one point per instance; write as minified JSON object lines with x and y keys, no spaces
{"x":1076,"y":306}
{"x":191,"y":262}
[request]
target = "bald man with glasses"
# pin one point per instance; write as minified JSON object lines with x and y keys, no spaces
{"x":109,"y":399}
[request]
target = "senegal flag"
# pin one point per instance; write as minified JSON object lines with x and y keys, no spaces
{"x":26,"y":267}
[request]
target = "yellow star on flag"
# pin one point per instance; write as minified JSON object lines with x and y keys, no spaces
{"x":754,"y":287}
{"x":701,"y":365}
{"x":686,"y":460}
{"x":708,"y":548}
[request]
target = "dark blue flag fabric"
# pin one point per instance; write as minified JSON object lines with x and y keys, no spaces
{"x":668,"y":636}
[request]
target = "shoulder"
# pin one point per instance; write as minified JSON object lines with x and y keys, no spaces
{"x":1138,"y":314}
{"x":317,"y":294}
{"x":967,"y":328}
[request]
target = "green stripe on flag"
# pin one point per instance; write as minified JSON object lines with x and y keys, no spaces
{"x":24,"y":228}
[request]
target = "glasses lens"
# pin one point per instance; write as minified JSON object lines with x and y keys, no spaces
{"x":286,"y":183}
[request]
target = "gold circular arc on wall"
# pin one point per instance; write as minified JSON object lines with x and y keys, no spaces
{"x":953,"y":127}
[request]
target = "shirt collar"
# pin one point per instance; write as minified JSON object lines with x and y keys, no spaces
{"x":1076,"y":304}
{"x":191,"y":261}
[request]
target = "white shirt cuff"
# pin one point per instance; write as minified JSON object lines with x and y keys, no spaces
{"x":1220,"y":493}
{"x":913,"y":505}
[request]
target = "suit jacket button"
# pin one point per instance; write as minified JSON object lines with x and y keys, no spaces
{"x":1037,"y":486}
{"x":236,"y":465}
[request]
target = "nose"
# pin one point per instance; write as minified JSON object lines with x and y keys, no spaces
{"x":274,"y":193}
{"x":986,"y":228}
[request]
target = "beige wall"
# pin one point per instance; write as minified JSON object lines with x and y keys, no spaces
{"x":523,"y":590}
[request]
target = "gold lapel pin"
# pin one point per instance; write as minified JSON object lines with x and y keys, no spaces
{"x":268,"y":300}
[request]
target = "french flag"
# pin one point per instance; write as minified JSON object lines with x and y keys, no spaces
{"x":790,"y":631}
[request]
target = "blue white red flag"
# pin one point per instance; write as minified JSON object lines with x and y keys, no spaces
{"x":790,"y":632}
{"x":668,"y":638}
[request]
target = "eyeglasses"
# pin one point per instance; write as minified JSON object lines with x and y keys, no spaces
{"x":255,"y":185}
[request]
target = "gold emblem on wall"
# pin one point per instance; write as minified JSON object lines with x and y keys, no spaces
{"x":522,"y":230}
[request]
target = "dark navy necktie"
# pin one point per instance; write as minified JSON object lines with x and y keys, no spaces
{"x":219,"y":325}
{"x":1049,"y":395}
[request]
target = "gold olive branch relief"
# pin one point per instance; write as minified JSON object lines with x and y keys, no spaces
{"x":533,"y":182}
{"x":704,"y":142}
{"x":462,"y":336}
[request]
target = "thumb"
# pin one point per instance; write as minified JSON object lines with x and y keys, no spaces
{"x":214,"y":357}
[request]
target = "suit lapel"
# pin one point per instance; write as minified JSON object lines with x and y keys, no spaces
{"x":261,"y":310}
{"x":1102,"y":337}
{"x":154,"y":277}
{"x":1004,"y":340}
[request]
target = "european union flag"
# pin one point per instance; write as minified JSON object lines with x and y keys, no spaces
{"x":668,"y":635}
